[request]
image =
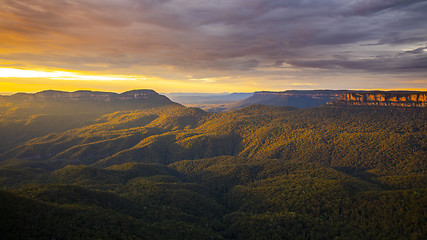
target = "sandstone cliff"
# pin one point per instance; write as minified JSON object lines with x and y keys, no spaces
{"x":383,"y":98}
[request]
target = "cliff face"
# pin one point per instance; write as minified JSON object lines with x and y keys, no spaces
{"x":380,"y":98}
{"x":50,"y":95}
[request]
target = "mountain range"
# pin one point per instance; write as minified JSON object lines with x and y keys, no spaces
{"x":331,"y":164}
{"x":302,"y":99}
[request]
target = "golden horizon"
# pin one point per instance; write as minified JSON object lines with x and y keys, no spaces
{"x":18,"y":80}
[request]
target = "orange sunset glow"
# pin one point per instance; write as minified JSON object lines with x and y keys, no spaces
{"x":199,"y":46}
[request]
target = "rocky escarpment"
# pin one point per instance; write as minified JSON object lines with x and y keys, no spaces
{"x":51,"y":95}
{"x":291,"y":98}
{"x":383,"y":98}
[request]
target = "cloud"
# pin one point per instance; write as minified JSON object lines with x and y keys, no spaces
{"x":244,"y":38}
{"x":417,"y":51}
{"x":408,"y":61}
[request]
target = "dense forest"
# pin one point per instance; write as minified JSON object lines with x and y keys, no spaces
{"x":165,"y":171}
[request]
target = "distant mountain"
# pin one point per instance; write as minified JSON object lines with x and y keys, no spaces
{"x":24,"y":116}
{"x":382,"y":98}
{"x":77,"y":96}
{"x":291,"y":98}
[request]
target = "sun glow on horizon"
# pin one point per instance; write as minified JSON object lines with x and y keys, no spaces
{"x":13,"y":80}
{"x":63,"y":75}
{"x":30,"y":80}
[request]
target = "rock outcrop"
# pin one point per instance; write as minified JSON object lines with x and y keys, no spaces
{"x":383,"y":98}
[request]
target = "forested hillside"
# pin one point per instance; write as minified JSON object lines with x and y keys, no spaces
{"x":164,"y":171}
{"x":25,"y":116}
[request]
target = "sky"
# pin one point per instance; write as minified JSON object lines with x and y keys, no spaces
{"x":212,"y":45}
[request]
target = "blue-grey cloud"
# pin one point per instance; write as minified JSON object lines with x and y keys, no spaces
{"x":225,"y":36}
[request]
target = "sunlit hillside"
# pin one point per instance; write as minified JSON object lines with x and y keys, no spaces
{"x":155,"y":169}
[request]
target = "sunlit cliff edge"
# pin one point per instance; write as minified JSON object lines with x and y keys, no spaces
{"x":380,"y":98}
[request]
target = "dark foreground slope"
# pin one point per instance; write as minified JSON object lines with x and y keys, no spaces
{"x":170,"y":172}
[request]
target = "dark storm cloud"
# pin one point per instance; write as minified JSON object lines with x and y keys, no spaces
{"x":223,"y":35}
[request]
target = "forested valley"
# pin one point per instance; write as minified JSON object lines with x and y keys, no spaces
{"x":160,"y":170}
